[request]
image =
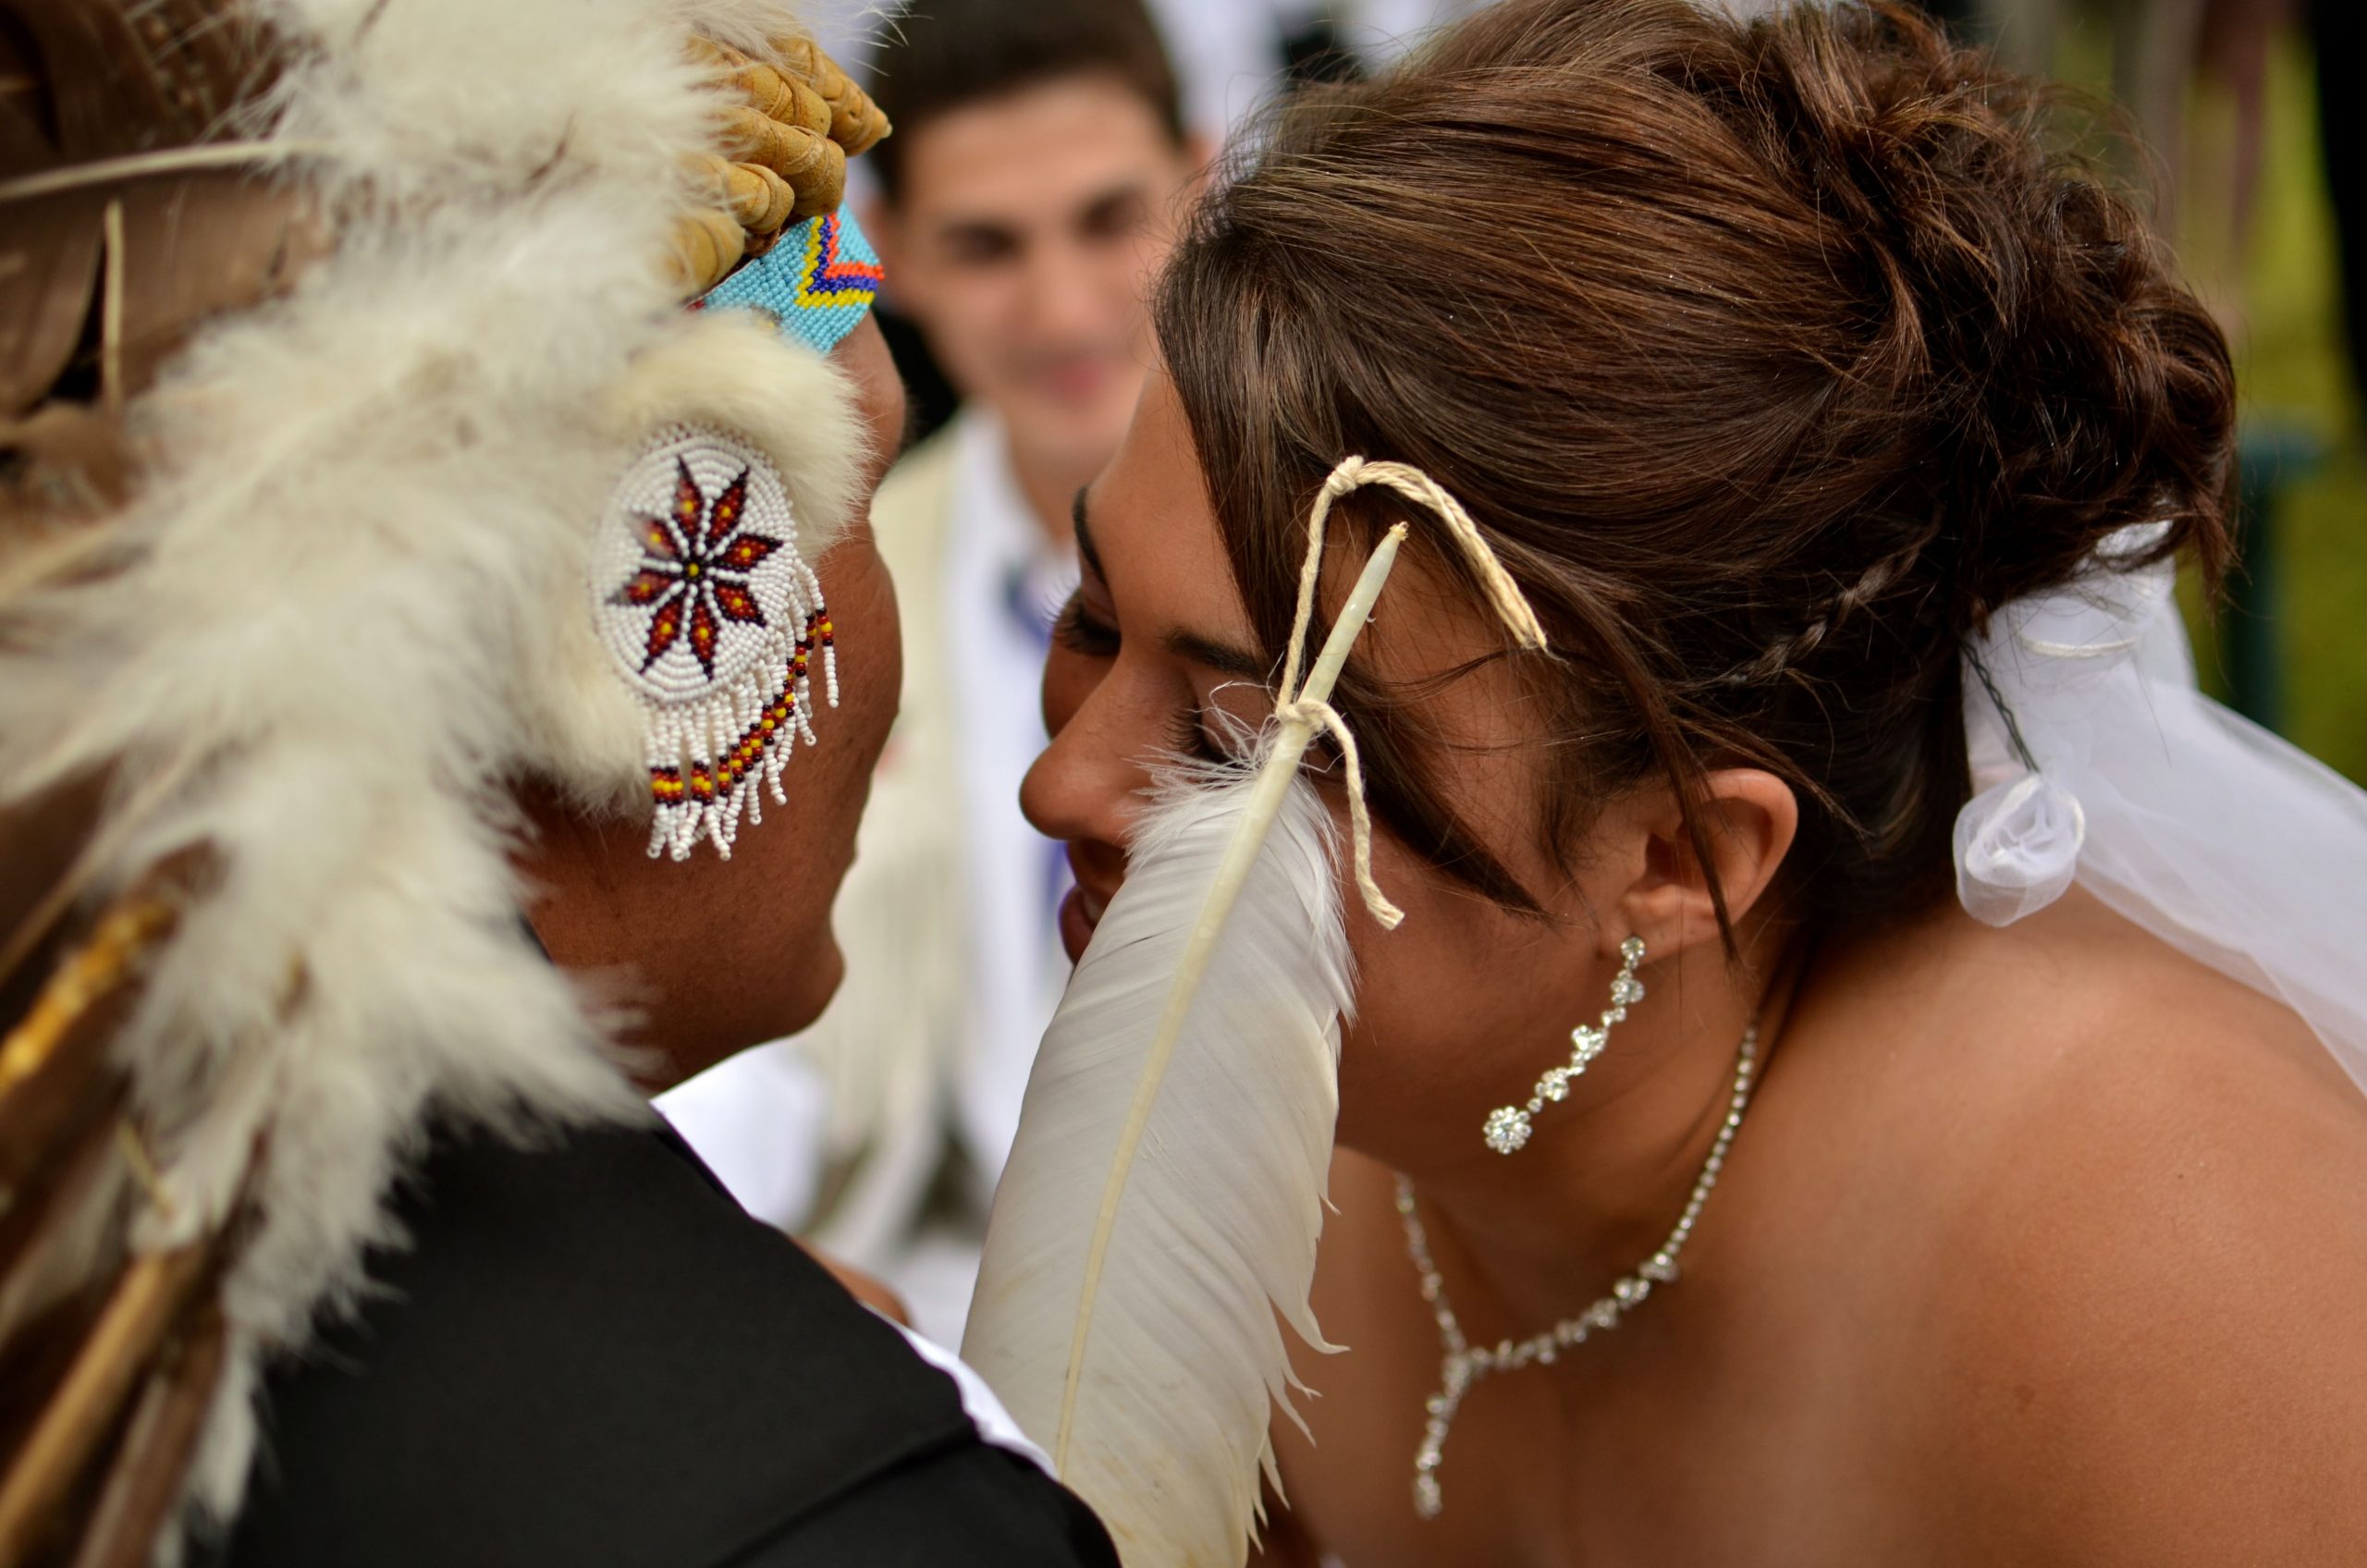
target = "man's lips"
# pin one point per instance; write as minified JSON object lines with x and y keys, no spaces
{"x":1074,"y":377}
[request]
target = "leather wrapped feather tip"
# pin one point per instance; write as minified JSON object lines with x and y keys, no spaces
{"x":791,"y":119}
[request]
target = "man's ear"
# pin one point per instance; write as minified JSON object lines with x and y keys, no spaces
{"x":1748,"y":819}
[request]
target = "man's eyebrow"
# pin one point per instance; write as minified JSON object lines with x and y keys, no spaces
{"x":1085,"y":536}
{"x":976,"y":231}
{"x":1105,"y":203}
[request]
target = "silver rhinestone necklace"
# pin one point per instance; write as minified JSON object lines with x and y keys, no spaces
{"x":1461,"y":1365}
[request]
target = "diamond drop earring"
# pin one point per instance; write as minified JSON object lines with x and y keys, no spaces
{"x":1507,"y":1127}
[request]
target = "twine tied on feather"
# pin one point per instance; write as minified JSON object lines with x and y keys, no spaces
{"x":1294,"y":706}
{"x":1157,"y":1223}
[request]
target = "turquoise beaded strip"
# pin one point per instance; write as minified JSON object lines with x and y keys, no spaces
{"x":818,"y":281}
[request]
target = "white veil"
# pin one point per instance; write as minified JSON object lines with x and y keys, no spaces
{"x":2094,"y":757}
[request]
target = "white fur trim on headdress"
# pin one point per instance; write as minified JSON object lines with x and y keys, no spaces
{"x":732,"y":371}
{"x":348,"y":608}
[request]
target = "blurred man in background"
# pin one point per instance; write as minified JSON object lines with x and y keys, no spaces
{"x":1039,"y":171}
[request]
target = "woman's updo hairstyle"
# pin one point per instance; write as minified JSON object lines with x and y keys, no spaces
{"x":1772,"y":357}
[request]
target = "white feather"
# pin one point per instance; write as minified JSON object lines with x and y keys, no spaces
{"x":1158,"y":1417}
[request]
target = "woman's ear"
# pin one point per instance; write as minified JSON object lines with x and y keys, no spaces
{"x":1747,"y":819}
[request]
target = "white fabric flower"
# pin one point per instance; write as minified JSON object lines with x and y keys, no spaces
{"x":2197,"y":827}
{"x":2018,"y":848}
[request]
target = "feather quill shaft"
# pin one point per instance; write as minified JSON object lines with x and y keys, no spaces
{"x":1158,"y":1221}
{"x":1130,"y":1300}
{"x":1275,"y":774}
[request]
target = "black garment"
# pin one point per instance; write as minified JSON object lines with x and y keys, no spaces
{"x":591,"y":1357}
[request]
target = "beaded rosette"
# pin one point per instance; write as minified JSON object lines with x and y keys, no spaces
{"x":713,"y":618}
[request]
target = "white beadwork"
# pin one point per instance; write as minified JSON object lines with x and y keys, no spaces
{"x":1508,"y":1127}
{"x":1461,"y":1365}
{"x":708,"y":612}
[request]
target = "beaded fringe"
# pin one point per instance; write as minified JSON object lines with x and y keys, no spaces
{"x":711,"y":764}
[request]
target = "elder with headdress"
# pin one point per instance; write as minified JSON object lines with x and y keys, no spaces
{"x":439,"y":679}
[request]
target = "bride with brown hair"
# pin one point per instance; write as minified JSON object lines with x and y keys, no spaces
{"x":1751,"y":1150}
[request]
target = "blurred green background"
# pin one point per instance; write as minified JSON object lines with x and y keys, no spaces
{"x":2276,"y":289}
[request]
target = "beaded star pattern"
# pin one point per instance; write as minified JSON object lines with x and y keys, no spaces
{"x":713,"y":619}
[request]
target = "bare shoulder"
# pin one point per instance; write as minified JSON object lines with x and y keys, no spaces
{"x":2146,"y":1250}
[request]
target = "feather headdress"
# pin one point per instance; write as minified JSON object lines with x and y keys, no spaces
{"x":1164,"y":1195}
{"x":327,"y":327}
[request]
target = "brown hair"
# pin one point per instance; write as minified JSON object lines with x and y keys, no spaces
{"x":1772,"y":357}
{"x":945,"y":54}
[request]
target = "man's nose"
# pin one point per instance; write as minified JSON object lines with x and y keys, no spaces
{"x":1062,"y":300}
